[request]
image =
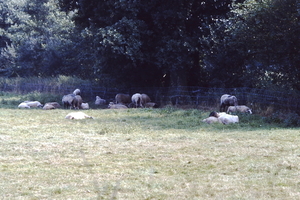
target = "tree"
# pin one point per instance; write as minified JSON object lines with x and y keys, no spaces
{"x":145,"y":42}
{"x":38,"y":32}
{"x":261,"y":41}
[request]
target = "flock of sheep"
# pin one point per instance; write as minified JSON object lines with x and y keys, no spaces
{"x":230,"y":102}
{"x":137,"y":100}
{"x":74,"y":101}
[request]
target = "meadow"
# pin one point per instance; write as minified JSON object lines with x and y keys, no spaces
{"x":165,"y":153}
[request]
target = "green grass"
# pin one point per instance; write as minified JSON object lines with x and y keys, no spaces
{"x":145,"y":154}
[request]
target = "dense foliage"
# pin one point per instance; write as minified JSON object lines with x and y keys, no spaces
{"x":228,"y":43}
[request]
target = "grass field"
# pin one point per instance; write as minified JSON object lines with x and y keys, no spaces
{"x":145,"y":154}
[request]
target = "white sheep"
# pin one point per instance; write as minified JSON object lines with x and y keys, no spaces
{"x":227,"y":118}
{"x":99,"y":101}
{"x":77,"y":92}
{"x":85,"y":106}
{"x":240,"y":108}
{"x":48,"y":107}
{"x":211,"y":120}
{"x":116,"y":106}
{"x":78,"y":115}
{"x":23,"y":105}
{"x":34,"y":104}
{"x":221,"y":117}
{"x":137,"y":100}
{"x":150,"y":105}
{"x":51,"y":105}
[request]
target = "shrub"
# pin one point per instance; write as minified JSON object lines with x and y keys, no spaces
{"x":284,"y":119}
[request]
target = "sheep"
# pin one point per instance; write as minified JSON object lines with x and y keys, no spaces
{"x":145,"y":99}
{"x":116,"y":106}
{"x":23,"y":105}
{"x":85,"y":106}
{"x":78,"y":115}
{"x":67,"y":100}
{"x":228,"y":119}
{"x":34,"y":104}
{"x":221,"y":117}
{"x":122,"y":99}
{"x":240,"y":108}
{"x":150,"y":105}
{"x":77,"y":92}
{"x":77,"y":101}
{"x":137,"y":100}
{"x":211,"y":120}
{"x":54,"y":104}
{"x":99,"y":101}
{"x":227,"y":100}
{"x":48,"y":107}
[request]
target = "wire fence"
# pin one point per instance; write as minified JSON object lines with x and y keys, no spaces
{"x":193,"y":96}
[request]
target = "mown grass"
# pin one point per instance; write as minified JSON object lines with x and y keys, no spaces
{"x":145,"y":154}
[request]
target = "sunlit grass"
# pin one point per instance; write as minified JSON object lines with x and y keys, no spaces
{"x":144,"y":154}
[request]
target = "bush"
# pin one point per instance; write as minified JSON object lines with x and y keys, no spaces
{"x":286,"y":120}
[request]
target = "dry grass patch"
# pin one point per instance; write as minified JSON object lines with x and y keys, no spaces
{"x":144,"y":154}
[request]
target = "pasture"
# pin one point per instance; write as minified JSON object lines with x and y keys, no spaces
{"x":138,"y":154}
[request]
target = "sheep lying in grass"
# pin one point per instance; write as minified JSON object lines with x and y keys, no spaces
{"x":85,"y":106}
{"x":227,"y":119}
{"x":241,"y":109}
{"x":51,"y":105}
{"x":222,"y":118}
{"x":211,"y":120}
{"x":116,"y":106}
{"x":48,"y":107}
{"x":23,"y":105}
{"x":30,"y":104}
{"x":99,"y":101}
{"x":150,"y":105}
{"x":78,"y":115}
{"x":34,"y":104}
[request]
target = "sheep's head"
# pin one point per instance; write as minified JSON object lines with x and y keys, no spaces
{"x":249,"y":111}
{"x":214,"y":114}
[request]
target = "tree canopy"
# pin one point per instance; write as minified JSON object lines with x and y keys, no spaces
{"x":228,"y":43}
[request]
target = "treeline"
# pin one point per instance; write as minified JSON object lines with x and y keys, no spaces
{"x":171,"y":43}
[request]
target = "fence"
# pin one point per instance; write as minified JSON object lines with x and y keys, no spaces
{"x":194,"y":96}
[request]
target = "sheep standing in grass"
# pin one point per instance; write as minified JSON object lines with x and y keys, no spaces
{"x":145,"y":99}
{"x":77,"y":101}
{"x":78,"y":115}
{"x":227,"y":100}
{"x":67,"y":100}
{"x":122,"y":99}
{"x":240,"y":108}
{"x":77,"y":92}
{"x":137,"y":100}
